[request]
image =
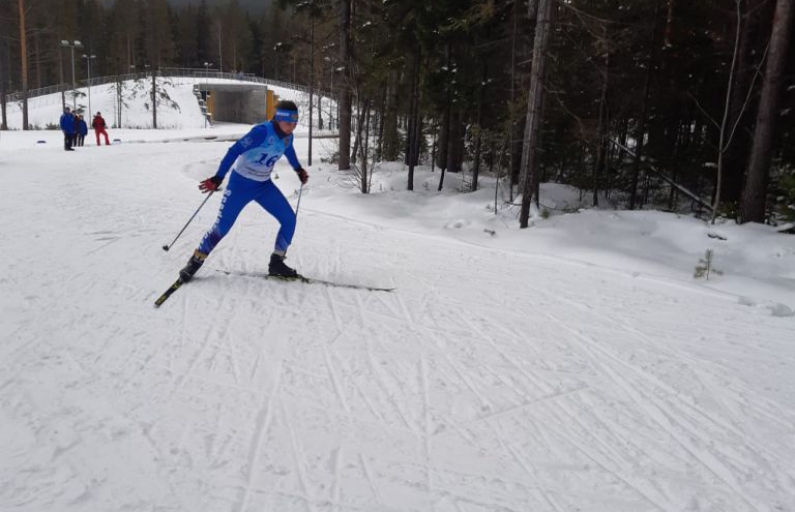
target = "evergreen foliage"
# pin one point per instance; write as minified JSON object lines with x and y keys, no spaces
{"x":784,"y":198}
{"x":454,"y":74}
{"x":705,"y":266}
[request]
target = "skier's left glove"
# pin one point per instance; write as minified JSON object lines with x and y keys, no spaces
{"x":210,"y":184}
{"x":302,"y":175}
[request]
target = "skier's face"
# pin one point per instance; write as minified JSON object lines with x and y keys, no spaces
{"x":285,"y":127}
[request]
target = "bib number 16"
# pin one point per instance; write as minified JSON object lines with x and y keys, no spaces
{"x":267,"y":161}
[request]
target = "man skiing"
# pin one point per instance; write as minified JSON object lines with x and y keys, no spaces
{"x":252,"y":159}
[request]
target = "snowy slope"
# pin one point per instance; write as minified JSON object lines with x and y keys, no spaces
{"x":572,"y":366}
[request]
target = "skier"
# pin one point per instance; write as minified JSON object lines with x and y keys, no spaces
{"x":98,"y":124}
{"x":251,"y":159}
{"x":68,"y":128}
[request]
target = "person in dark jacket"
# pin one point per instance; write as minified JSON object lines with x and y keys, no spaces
{"x":68,"y":128}
{"x":82,"y":130}
{"x":76,"y":132}
{"x":98,"y":124}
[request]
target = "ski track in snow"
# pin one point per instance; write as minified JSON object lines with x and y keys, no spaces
{"x":489,"y":381}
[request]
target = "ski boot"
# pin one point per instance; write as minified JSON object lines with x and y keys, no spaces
{"x":278,"y":268}
{"x":194,"y":264}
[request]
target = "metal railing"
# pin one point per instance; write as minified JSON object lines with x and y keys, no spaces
{"x":198,"y":73}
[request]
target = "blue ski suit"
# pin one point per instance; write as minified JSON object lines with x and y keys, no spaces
{"x":252,"y":159}
{"x":67,"y":123}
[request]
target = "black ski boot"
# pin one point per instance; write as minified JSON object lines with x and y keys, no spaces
{"x":278,"y":268}
{"x":194,"y":264}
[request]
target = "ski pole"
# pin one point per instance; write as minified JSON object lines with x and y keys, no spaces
{"x":298,"y":205}
{"x":167,"y":247}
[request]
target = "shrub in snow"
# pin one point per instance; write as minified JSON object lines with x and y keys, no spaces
{"x":704,"y":267}
{"x":785,"y":198}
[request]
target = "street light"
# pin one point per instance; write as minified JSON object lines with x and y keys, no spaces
{"x":73,"y":45}
{"x":207,"y":66}
{"x":88,"y":63}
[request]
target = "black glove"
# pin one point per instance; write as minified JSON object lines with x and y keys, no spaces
{"x":210,"y":184}
{"x":302,"y":175}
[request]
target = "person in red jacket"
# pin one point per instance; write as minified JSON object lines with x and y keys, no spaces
{"x":98,"y":124}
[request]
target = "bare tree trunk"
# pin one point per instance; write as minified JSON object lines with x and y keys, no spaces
{"x":512,"y":128}
{"x":479,"y":137}
{"x":362,"y":143}
{"x":534,"y":103}
{"x":345,"y":88}
{"x":737,"y":153}
{"x":379,"y":148}
{"x":455,"y":150}
{"x":722,"y":143}
{"x":311,"y":84}
{"x":640,"y":131}
{"x":130,"y":59}
{"x":414,"y":154}
{"x":417,"y":135}
{"x":604,"y":123}
{"x":154,"y":97}
{"x":444,"y":136}
{"x":532,"y":9}
{"x":4,"y":122}
{"x":4,"y":125}
{"x":358,"y":138}
{"x":5,"y":69}
{"x":755,"y":192}
{"x":434,"y":143}
{"x":412,"y":113}
{"x":390,"y":150}
{"x":37,"y":53}
{"x":23,"y":56}
{"x":669,"y":23}
{"x":119,"y":98}
{"x":412,"y":151}
{"x":409,"y":119}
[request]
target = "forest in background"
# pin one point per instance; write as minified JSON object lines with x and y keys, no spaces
{"x":671,"y":104}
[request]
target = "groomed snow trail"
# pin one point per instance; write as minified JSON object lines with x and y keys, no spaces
{"x":489,"y":381}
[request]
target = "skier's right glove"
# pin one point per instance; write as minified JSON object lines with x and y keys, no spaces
{"x":210,"y":184}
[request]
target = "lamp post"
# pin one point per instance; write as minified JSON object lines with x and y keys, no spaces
{"x":207,"y":66}
{"x":60,"y":69}
{"x":73,"y":45}
{"x":88,"y":64}
{"x":311,"y":79}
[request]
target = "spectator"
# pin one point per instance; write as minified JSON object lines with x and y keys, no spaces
{"x":76,"y":131}
{"x":98,"y":124}
{"x":68,"y":128}
{"x":82,"y":130}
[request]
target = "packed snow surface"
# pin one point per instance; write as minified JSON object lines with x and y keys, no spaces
{"x":576,"y":365}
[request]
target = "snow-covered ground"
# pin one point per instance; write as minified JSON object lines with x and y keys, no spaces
{"x":573,"y":366}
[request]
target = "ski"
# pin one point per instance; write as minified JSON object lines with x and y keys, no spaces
{"x":308,"y":280}
{"x":166,"y":294}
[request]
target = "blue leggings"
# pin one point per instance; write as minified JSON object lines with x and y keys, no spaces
{"x":239,"y":192}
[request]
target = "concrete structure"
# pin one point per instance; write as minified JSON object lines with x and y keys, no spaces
{"x":247,"y":103}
